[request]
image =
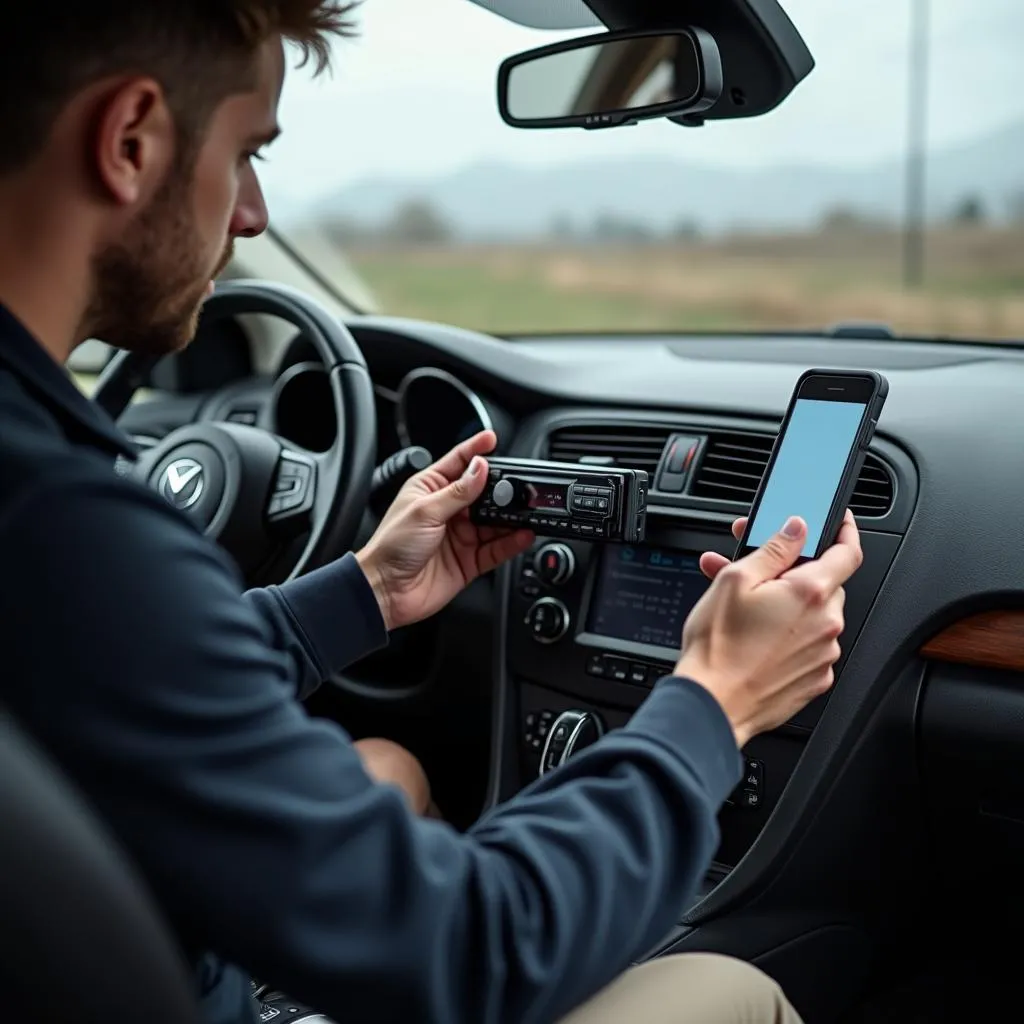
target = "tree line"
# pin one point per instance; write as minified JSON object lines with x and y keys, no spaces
{"x":418,"y":221}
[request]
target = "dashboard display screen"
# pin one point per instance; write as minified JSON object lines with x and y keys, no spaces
{"x":644,"y":595}
{"x":552,"y":497}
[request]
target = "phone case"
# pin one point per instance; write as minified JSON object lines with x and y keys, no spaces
{"x":854,"y":464}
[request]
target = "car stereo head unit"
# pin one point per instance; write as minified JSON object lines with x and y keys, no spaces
{"x":559,"y":499}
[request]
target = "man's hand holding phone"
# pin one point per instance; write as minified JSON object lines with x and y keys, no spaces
{"x":764,"y":638}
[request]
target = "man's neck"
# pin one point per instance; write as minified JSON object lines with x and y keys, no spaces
{"x":43,"y":272}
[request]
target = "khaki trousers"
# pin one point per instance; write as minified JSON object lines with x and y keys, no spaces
{"x":691,"y":988}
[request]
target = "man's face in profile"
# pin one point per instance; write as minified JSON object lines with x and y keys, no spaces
{"x":149,"y":286}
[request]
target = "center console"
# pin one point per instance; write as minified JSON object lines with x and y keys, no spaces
{"x":590,"y":628}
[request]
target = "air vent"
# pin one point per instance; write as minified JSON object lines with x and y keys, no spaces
{"x":733,"y":465}
{"x":625,"y":446}
{"x":874,"y":493}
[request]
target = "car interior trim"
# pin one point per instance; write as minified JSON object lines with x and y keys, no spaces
{"x":990,"y":639}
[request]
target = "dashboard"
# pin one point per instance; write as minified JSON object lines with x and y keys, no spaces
{"x":876,"y":793}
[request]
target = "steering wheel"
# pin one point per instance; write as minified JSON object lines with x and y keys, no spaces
{"x":278,"y":509}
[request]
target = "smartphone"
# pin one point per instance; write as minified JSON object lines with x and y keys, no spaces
{"x":817,"y":457}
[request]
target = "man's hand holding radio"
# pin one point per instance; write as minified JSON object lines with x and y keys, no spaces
{"x":764,"y":638}
{"x":426,"y":550}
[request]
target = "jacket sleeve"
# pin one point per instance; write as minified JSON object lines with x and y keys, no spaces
{"x":160,"y":689}
{"x":322,"y":622}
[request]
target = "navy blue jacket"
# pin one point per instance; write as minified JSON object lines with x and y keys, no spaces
{"x":131,"y":652}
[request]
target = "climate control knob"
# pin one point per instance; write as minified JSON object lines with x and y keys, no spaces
{"x":548,"y":620}
{"x":570,"y":733}
{"x":554,"y":563}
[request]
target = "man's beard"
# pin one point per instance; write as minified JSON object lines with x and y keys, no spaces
{"x":148,"y":288}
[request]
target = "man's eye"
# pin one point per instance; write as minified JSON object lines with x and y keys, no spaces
{"x":255,"y":155}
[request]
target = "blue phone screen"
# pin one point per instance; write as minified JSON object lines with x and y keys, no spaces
{"x":809,"y":469}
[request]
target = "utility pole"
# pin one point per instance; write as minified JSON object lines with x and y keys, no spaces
{"x":917,"y":143}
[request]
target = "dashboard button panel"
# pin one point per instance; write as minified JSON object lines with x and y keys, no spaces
{"x":749,"y":794}
{"x":626,"y":670}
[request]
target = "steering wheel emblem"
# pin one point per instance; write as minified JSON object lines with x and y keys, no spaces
{"x":182,"y":483}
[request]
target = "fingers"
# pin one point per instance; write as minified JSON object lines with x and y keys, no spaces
{"x":454,"y":464}
{"x":712,"y":563}
{"x":836,"y":565}
{"x":500,"y":550}
{"x":448,"y":502}
{"x":777,"y":554}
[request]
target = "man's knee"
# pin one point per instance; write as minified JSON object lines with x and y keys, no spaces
{"x":391,"y":763}
{"x":748,"y":991}
{"x":691,"y":988}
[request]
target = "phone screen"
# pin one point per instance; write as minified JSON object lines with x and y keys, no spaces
{"x":808,"y":471}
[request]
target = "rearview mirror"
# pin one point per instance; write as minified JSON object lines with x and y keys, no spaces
{"x":610,"y":79}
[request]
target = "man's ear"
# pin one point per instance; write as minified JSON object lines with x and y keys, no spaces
{"x":134,"y":141}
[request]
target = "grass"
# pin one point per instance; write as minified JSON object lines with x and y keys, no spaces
{"x":974,"y":286}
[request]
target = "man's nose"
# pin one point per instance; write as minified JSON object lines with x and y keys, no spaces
{"x":250,"y":217}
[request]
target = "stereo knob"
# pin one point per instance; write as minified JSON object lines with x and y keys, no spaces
{"x":571,"y":732}
{"x":503,"y":493}
{"x":554,"y":563}
{"x":548,"y":620}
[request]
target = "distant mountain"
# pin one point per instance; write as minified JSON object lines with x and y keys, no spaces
{"x":495,"y":199}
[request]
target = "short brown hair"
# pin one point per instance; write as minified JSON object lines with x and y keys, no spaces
{"x":200,"y":51}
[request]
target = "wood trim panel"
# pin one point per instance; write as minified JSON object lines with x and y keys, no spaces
{"x":987,"y":640}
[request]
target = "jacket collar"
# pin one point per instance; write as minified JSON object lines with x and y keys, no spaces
{"x":82,"y":420}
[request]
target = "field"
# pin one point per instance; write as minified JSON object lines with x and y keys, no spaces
{"x":974,"y":285}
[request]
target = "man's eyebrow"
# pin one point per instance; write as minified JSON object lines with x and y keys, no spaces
{"x":265,"y":137}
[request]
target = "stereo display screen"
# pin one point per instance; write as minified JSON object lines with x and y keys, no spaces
{"x":643,"y":595}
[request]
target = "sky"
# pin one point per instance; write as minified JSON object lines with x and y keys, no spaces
{"x":414,"y":96}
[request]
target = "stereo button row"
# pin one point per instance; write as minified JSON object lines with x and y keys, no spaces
{"x":622,"y":670}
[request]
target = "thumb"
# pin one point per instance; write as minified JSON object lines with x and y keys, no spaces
{"x":460,"y":494}
{"x":779,"y":552}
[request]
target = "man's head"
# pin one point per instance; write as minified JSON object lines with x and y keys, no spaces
{"x":130,"y":126}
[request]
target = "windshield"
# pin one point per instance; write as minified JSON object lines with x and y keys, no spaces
{"x":801,"y":219}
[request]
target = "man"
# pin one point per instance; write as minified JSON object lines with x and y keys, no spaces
{"x":169,"y":696}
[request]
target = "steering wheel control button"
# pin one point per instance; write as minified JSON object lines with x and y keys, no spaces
{"x":571,"y":732}
{"x":554,"y":564}
{"x":292,"y":493}
{"x":548,"y":620}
